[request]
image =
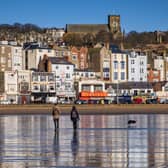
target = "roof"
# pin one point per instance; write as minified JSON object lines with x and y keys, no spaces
{"x":56,"y":60}
{"x":115,"y":49}
{"x":83,"y":70}
{"x":86,"y":28}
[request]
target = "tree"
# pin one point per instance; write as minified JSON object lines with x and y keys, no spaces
{"x":89,"y":39}
{"x":73,"y":39}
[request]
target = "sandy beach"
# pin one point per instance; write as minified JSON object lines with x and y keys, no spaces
{"x":86,"y":109}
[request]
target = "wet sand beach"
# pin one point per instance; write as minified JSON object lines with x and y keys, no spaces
{"x":87,"y":109}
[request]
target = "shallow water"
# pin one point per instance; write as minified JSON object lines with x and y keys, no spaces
{"x":101,"y":141}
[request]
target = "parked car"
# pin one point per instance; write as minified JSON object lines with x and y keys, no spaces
{"x":81,"y":101}
{"x":163,"y":101}
{"x":5,"y":102}
{"x":51,"y":100}
{"x":138,"y":100}
{"x":64,"y":101}
{"x":123,"y":100}
{"x":151,"y":101}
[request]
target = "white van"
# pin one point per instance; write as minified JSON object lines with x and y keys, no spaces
{"x":51,"y":100}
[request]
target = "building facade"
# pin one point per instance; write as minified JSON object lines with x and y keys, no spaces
{"x":137,"y":67}
{"x":119,"y":65}
{"x":11,"y":56}
{"x":33,"y":53}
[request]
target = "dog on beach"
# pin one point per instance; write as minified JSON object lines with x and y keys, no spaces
{"x":131,"y":121}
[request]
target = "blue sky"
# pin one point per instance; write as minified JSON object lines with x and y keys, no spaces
{"x":138,"y":15}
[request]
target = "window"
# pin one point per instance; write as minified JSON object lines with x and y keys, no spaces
{"x":35,"y":87}
{"x":91,"y":75}
{"x":132,"y":79}
{"x":42,"y":88}
{"x":68,"y":75}
{"x":51,"y":87}
{"x":35,"y":78}
{"x":85,"y":87}
{"x":98,"y":87}
{"x":67,"y":86}
{"x":74,"y":57}
{"x":141,"y":62}
{"x":122,"y":75}
{"x":115,"y":75}
{"x":42,"y":78}
{"x":141,"y":70}
{"x":132,"y":70}
{"x":132,"y":61}
{"x":50,"y":78}
{"x":57,"y":53}
{"x":115,"y":64}
{"x":115,"y":56}
{"x":122,"y":65}
{"x":106,"y":76}
{"x":57,"y":84}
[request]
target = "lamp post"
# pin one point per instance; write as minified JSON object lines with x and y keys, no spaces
{"x":117,"y":92}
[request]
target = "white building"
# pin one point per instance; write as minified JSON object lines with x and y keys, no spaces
{"x":159,"y":64}
{"x":84,"y":74}
{"x":11,"y":56}
{"x":33,"y":54}
{"x":42,"y":86}
{"x":118,"y":65}
{"x":64,"y":71}
{"x":17,"y":86}
{"x":137,"y":67}
{"x":17,"y":58}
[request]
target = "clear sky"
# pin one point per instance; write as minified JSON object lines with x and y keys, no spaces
{"x":138,"y":15}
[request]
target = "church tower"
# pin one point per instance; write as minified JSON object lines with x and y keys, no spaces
{"x":114,"y":23}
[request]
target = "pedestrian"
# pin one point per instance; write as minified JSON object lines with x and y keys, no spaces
{"x":74,"y":117}
{"x":56,"y":115}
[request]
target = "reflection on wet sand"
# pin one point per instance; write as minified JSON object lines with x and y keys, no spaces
{"x":100,"y":141}
{"x":56,"y":148}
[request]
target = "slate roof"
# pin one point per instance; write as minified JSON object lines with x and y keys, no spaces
{"x":56,"y":60}
{"x":115,"y":49}
{"x":86,"y":28}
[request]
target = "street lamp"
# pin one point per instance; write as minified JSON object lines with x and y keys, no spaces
{"x":117,"y":92}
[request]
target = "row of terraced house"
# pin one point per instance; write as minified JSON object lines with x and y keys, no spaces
{"x":34,"y":73}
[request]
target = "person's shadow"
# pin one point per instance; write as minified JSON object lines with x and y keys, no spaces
{"x":56,"y":146}
{"x":75,"y":144}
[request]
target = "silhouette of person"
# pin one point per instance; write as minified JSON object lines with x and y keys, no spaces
{"x":74,"y":117}
{"x":75,"y":144}
{"x":56,"y":115}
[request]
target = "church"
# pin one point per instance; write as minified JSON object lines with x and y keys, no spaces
{"x":112,"y":26}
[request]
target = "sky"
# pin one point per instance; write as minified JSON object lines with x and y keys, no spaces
{"x":136,"y":15}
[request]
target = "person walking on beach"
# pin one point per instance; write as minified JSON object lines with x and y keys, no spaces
{"x":56,"y":115}
{"x":74,"y":117}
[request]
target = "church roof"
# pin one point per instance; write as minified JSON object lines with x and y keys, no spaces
{"x":86,"y":28}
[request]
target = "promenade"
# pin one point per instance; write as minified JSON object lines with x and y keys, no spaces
{"x":87,"y":109}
